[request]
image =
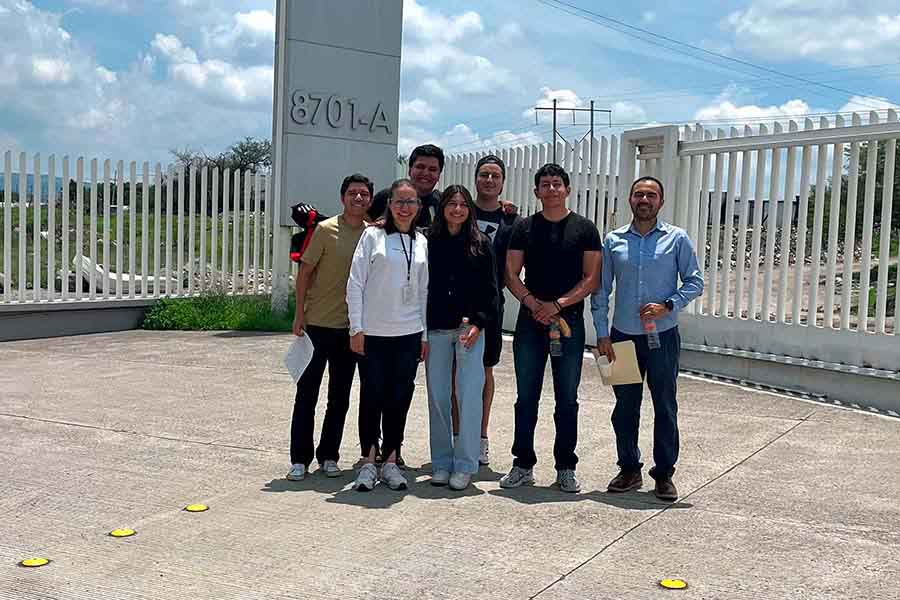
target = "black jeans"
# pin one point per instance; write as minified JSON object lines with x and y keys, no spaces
{"x":331,"y":346}
{"x":388,"y":373}
{"x":531,"y":346}
{"x":660,"y":368}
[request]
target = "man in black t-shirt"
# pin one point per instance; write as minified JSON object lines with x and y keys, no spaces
{"x":425,"y":166}
{"x":560,"y":251}
{"x":496,"y":222}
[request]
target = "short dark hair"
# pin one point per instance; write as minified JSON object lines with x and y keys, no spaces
{"x":427,"y":150}
{"x":357,"y":178}
{"x":662,"y":195}
{"x":551,"y":170}
{"x":490,"y":159}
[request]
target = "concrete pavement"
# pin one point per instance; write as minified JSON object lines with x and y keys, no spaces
{"x":780,"y":498}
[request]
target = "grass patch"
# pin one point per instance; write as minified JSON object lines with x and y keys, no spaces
{"x":217,"y":312}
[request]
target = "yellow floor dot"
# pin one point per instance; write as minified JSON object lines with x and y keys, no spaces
{"x":673,"y":584}
{"x":122,"y":533}
{"x":35,"y":562}
{"x":196,"y":507}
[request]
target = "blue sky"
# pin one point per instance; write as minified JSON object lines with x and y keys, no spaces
{"x":130,"y":79}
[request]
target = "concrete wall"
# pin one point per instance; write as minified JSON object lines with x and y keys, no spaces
{"x":23,"y":322}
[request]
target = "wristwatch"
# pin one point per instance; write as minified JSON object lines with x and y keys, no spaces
{"x":670,"y":305}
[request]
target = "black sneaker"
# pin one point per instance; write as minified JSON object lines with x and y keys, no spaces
{"x":625,"y":481}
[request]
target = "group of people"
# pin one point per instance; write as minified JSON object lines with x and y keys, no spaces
{"x":410,"y":275}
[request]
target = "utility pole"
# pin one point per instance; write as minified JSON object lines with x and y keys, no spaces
{"x":590,"y":110}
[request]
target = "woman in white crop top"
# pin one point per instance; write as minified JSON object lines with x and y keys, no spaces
{"x":387,"y":296}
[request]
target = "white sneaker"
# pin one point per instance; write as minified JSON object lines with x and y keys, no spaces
{"x":517,"y":476}
{"x":440,"y":477}
{"x":391,"y":475}
{"x":460,"y":481}
{"x":567,"y":482}
{"x":297,"y":472}
{"x":366,"y":479}
{"x":331,"y":468}
{"x":484,"y":457}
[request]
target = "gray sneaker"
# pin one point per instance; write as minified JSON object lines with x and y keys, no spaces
{"x":567,"y":482}
{"x":365,"y":481}
{"x":516,"y":477}
{"x":331,"y":468}
{"x":393,"y":477}
{"x":297,"y":472}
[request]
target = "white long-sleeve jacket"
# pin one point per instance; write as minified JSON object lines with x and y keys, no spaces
{"x":378,"y":275}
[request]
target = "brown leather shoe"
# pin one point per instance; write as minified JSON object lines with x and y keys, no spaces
{"x":665,"y":489}
{"x":625,"y":481}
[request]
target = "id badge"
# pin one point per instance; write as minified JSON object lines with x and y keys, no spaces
{"x":407,"y":294}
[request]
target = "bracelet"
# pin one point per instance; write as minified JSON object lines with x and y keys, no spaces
{"x":525,"y":297}
{"x":558,"y":305}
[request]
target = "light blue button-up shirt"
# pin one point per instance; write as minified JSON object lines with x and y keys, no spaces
{"x":646,"y":268}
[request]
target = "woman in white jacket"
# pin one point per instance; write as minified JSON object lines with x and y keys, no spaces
{"x":387,"y":296}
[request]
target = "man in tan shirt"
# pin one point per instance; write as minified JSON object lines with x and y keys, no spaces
{"x":321,"y":314}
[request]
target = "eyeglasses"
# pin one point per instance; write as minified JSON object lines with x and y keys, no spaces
{"x":404,"y":203}
{"x":647,"y":195}
{"x":485,"y":175}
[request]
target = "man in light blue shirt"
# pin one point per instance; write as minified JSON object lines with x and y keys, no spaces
{"x":646,"y":259}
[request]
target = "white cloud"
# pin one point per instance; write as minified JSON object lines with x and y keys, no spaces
{"x":727,"y":110}
{"x":462,"y":138}
{"x":73,"y":104}
{"x":51,"y":70}
{"x":416,"y":110}
{"x":430,"y":26}
{"x":217,"y":78}
{"x":106,"y":75}
{"x":628,"y":112}
{"x":172,"y":49}
{"x":121,"y":6}
{"x":865,"y":104}
{"x":564,"y":99}
{"x":436,"y":54}
{"x":252,"y":32}
{"x":787,"y":30}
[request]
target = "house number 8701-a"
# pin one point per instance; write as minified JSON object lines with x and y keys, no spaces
{"x":337,"y":112}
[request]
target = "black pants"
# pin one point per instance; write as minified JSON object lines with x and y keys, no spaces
{"x":332,"y":346}
{"x":388,"y":373}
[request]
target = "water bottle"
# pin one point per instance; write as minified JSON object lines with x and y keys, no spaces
{"x":555,"y":342}
{"x":463,"y":328}
{"x":652,"y":335}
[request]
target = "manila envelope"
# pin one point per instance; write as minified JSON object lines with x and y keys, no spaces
{"x":625,"y":369}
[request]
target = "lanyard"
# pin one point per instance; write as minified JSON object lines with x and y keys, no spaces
{"x":409,"y":255}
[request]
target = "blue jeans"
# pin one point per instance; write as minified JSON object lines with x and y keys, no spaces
{"x":660,"y":369}
{"x":531,"y":346}
{"x":444,"y":345}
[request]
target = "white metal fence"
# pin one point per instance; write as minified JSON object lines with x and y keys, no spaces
{"x":81,"y":231}
{"x":817,"y":282}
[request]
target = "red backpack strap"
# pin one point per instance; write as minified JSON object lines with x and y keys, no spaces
{"x":310,"y":225}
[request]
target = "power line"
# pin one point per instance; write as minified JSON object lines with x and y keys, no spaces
{"x":655,"y":37}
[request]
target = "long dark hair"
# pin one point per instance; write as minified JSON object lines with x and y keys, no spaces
{"x":389,"y":225}
{"x":474,"y":241}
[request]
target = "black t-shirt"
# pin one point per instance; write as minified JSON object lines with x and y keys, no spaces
{"x":426,"y":212}
{"x":554,"y":254}
{"x":497,"y":226}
